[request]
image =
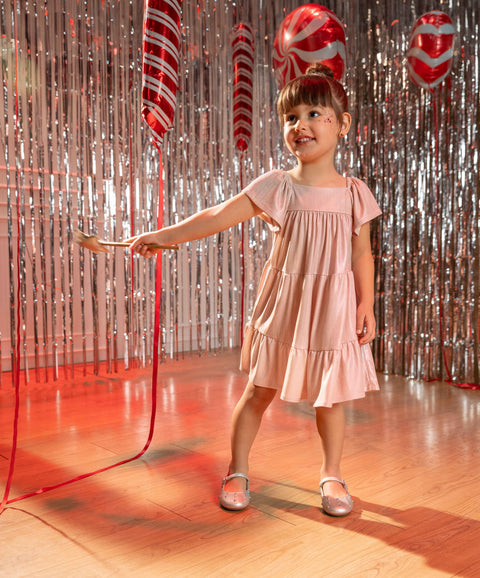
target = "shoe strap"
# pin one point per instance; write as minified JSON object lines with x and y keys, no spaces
{"x":332,"y":479}
{"x":238,"y":475}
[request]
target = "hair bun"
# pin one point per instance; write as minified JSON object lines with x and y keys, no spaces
{"x":319,"y":69}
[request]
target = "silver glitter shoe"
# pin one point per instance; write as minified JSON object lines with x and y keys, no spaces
{"x":234,"y":500}
{"x":336,"y":506}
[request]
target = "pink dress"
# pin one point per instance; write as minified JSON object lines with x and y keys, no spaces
{"x":302,"y":338}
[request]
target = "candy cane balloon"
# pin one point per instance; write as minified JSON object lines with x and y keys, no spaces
{"x":430,"y":51}
{"x":161,"y":43}
{"x":309,"y":34}
{"x":243,"y":49}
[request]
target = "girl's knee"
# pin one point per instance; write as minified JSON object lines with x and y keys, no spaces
{"x":261,"y":396}
{"x":335,"y":409}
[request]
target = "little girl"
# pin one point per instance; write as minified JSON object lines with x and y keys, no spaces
{"x":313,"y":318}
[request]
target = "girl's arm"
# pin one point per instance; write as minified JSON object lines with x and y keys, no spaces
{"x":203,"y":224}
{"x":363,"y":272}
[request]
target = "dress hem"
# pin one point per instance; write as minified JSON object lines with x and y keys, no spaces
{"x":321,"y":378}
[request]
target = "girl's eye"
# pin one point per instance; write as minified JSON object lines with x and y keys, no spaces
{"x":314,"y":113}
{"x":291,"y":118}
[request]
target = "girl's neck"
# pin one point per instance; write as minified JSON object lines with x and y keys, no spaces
{"x":312,"y":175}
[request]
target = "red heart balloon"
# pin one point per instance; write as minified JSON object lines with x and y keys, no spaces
{"x":430,"y":52}
{"x":309,"y":34}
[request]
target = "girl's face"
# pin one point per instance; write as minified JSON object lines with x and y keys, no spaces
{"x":311,"y":132}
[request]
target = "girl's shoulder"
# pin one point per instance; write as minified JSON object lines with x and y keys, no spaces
{"x":356,"y":183}
{"x":358,"y":188}
{"x":274,"y":176}
{"x":269,"y":180}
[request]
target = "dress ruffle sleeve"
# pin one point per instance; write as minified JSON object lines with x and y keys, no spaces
{"x":364,"y":205}
{"x":271,"y":193}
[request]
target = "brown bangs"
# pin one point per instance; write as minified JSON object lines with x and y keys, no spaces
{"x":311,"y":90}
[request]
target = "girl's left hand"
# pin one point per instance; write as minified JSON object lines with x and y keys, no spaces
{"x":366,"y":325}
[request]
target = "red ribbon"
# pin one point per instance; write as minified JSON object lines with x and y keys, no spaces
{"x":440,"y":293}
{"x":242,"y":304}
{"x":156,"y":339}
{"x":243,"y":61}
{"x":16,"y":368}
{"x":156,"y":335}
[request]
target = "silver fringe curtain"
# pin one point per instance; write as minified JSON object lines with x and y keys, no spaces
{"x":74,"y":153}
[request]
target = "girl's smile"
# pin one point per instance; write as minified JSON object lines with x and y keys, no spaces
{"x":303,"y":139}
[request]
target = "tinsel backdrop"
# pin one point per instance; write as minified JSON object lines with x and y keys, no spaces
{"x":75,"y":153}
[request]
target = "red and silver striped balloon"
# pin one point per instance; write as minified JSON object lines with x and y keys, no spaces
{"x":243,"y":50}
{"x":161,"y":41}
{"x":309,"y":34}
{"x":430,"y":51}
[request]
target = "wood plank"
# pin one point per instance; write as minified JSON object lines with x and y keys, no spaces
{"x":411,"y":461}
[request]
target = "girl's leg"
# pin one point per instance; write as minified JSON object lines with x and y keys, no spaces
{"x":246,"y":420}
{"x":331,"y":427}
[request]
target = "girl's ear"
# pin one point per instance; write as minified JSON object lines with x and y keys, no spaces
{"x":345,"y":124}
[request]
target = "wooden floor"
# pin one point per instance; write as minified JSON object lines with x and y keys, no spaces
{"x":411,"y":461}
